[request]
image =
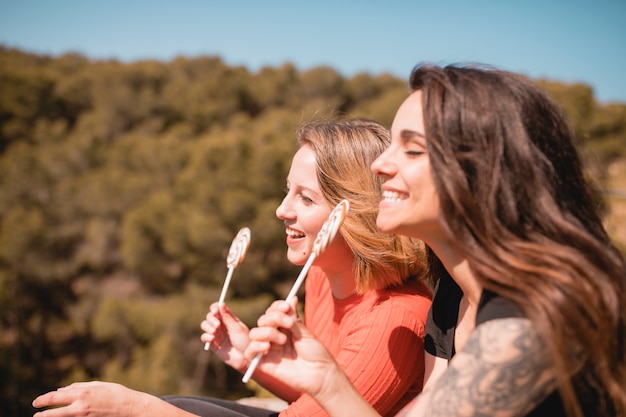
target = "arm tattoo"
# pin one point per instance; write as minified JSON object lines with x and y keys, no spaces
{"x":505,"y":369}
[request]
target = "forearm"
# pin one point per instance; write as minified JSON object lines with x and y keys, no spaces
{"x":276,"y":387}
{"x":339,"y":398}
{"x":103,"y":399}
{"x":149,"y":405}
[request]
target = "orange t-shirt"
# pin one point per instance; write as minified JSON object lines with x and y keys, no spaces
{"x":376,"y":338}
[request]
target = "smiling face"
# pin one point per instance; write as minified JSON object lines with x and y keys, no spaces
{"x":304,"y":209}
{"x":410,"y":205}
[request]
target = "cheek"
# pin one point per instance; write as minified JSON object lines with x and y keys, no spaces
{"x":314,"y":225}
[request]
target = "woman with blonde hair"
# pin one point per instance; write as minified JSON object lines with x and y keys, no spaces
{"x":366,"y":296}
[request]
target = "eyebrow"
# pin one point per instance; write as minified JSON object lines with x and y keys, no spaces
{"x":307,"y":189}
{"x":407,"y":134}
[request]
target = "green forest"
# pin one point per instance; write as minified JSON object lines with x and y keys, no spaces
{"x":122,"y":186}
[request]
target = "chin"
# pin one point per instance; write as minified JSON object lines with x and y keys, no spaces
{"x":396,"y":229}
{"x":296,"y":259}
{"x":385,"y":227}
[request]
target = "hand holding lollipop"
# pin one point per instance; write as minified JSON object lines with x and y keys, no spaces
{"x":236,"y":254}
{"x":326,"y":234}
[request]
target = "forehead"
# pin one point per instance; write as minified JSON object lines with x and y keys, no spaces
{"x":304,"y":166}
{"x":409,"y":115}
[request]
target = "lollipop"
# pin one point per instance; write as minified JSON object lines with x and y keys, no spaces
{"x":236,"y":253}
{"x":326,"y":234}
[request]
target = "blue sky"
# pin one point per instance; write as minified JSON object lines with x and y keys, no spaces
{"x":561,"y":40}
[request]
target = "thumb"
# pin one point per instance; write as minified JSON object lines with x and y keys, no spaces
{"x":294,"y":305}
{"x":228,"y":317}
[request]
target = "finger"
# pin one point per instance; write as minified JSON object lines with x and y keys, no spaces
{"x":283,"y":306}
{"x":210,"y":325}
{"x":210,"y":330}
{"x":62,"y":411}
{"x":62,"y":396}
{"x":207,"y":338}
{"x":299,"y":331}
{"x":294,"y":305}
{"x":224,"y":309}
{"x":276,"y":319}
{"x":214,"y":313}
{"x":255,"y":347}
{"x":268,"y":334}
{"x":56,"y":412}
{"x":229,"y":319}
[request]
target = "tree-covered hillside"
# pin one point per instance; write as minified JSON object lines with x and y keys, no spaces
{"x":122,"y":186}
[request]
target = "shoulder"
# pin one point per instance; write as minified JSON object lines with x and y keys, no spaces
{"x":409,"y":291}
{"x":408,"y":302}
{"x":493,"y":306}
{"x":508,"y":339}
{"x":505,"y":368}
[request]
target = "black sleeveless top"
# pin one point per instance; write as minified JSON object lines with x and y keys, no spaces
{"x":441,"y":323}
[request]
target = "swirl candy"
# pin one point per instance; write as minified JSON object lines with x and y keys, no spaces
{"x":238,"y":248}
{"x":331,"y":227}
{"x":326,"y":234}
{"x":236,"y":254}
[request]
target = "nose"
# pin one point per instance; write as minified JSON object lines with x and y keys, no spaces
{"x":382,"y":166}
{"x":284,"y":210}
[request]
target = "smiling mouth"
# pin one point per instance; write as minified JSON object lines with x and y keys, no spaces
{"x":294,"y":234}
{"x":392,"y":196}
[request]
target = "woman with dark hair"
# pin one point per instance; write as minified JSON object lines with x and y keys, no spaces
{"x":529,"y":313}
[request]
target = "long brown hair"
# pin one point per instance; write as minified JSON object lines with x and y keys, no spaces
{"x":344,"y":151}
{"x":513,"y":194}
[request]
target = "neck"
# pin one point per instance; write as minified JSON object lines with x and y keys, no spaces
{"x":342,"y":284}
{"x":457,"y":265}
{"x":338,"y":265}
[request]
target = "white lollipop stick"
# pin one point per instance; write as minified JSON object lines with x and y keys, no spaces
{"x":326,"y":234}
{"x":236,"y":254}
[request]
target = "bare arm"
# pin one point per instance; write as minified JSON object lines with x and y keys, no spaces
{"x":503,"y":370}
{"x":103,"y":399}
{"x":433,"y":369}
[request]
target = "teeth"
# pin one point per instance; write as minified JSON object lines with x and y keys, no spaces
{"x":294,"y":233}
{"x":391,"y":196}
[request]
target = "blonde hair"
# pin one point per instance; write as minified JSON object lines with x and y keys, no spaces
{"x":344,"y":152}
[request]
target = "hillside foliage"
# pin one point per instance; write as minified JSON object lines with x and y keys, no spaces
{"x":122,"y":186}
